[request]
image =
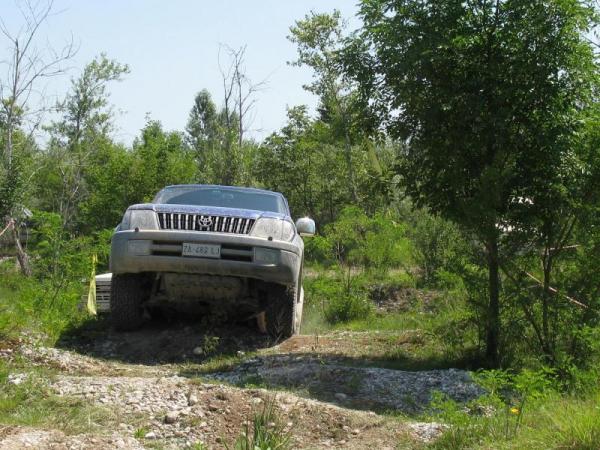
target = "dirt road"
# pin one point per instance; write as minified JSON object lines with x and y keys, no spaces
{"x":177,"y":386}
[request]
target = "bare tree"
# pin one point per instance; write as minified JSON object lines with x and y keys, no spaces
{"x":239,"y":94}
{"x":228,"y":80}
{"x":26,"y":67}
{"x":245,"y":90}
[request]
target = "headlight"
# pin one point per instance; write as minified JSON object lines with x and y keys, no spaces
{"x":277,"y":229}
{"x":142,"y":219}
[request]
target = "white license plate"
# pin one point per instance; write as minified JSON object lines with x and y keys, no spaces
{"x":201,"y":250}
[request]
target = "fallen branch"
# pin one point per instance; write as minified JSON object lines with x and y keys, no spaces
{"x":555,"y":291}
{"x":540,"y":284}
{"x":11,"y":222}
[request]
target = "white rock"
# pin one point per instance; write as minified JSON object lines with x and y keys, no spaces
{"x":198,"y":351}
{"x":192,"y":400}
{"x":17,"y":378}
{"x":150,"y":435}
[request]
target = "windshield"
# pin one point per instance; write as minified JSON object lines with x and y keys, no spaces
{"x":227,"y":198}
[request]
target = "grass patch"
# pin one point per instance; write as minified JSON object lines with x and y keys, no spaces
{"x":552,"y":421}
{"x":218,"y":363}
{"x":46,"y":308}
{"x":31,"y":403}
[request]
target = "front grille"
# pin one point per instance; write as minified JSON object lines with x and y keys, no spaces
{"x":199,"y":222}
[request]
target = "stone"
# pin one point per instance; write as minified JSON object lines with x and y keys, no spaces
{"x":150,"y":435}
{"x":16,"y":378}
{"x":192,"y":400}
{"x":171,"y":417}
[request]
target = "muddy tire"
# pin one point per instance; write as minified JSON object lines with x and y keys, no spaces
{"x":127,"y":294}
{"x":280,"y":315}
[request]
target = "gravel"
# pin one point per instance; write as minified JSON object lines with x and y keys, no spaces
{"x":17,"y":438}
{"x":357,"y":387}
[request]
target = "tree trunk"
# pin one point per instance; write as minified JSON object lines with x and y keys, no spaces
{"x":493,"y":312}
{"x":22,"y":256}
{"x":546,"y":298}
{"x":348,"y":152}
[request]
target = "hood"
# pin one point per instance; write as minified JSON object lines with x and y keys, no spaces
{"x":209,"y":211}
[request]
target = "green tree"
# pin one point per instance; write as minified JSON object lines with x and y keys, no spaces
{"x":160,"y":158}
{"x":202,"y":127}
{"x":26,"y":66}
{"x":212,"y":134}
{"x":488,"y":96}
{"x":319,"y":40}
{"x":304,"y":161}
{"x":110,"y":191}
{"x":78,"y":137}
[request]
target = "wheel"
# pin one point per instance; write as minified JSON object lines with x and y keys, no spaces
{"x":127,"y":294}
{"x":281,"y":313}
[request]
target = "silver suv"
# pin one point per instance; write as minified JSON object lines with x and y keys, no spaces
{"x":200,"y":247}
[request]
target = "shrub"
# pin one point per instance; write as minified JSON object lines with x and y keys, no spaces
{"x":437,"y":245}
{"x":347,"y":307}
{"x":47,"y":302}
{"x":341,"y":298}
{"x":358,"y":240}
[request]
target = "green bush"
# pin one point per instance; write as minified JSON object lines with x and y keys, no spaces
{"x":347,"y":307}
{"x":355,"y":239}
{"x":62,"y":266}
{"x":437,"y":246}
{"x":340,"y":298}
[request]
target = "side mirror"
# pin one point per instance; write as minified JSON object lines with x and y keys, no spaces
{"x":305,"y":226}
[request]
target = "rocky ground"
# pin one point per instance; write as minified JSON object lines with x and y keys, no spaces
{"x":165,"y":390}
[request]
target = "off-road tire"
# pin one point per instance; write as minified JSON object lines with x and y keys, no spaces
{"x":127,"y":293}
{"x":280,"y":314}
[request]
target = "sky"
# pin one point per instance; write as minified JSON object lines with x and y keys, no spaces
{"x":172,"y":49}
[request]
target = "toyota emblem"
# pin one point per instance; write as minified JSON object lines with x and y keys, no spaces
{"x":204,"y":222}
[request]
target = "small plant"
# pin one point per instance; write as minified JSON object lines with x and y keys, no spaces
{"x":198,"y":446}
{"x":209,"y":344}
{"x":140,"y":433}
{"x":254,"y":382}
{"x":264,"y":432}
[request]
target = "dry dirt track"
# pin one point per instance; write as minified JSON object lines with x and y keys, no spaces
{"x":155,"y":382}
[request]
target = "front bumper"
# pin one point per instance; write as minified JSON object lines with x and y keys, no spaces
{"x":237,"y":255}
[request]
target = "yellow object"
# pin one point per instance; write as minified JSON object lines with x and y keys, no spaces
{"x":514,"y":410}
{"x":91,"y":302}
